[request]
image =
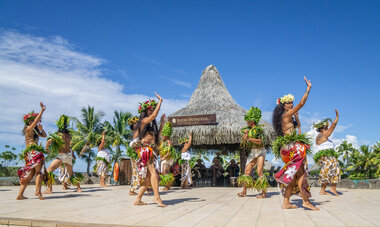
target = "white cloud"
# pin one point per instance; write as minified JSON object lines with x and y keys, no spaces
{"x":181,"y":83}
{"x":34,"y":69}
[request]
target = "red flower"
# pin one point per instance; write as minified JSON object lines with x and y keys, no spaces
{"x":146,"y":102}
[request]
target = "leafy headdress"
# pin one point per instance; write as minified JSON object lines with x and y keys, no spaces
{"x":30,"y":117}
{"x":133,"y":120}
{"x":150,"y":104}
{"x":322,"y":124}
{"x":63,"y":123}
{"x":253,"y":114}
{"x":168,"y":129}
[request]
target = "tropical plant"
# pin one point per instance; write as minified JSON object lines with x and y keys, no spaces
{"x":345,"y":149}
{"x":364,"y":163}
{"x":88,"y":133}
{"x":118,"y":134}
{"x":8,"y":157}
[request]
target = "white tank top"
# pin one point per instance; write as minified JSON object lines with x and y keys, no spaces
{"x":133,"y":141}
{"x":326,"y":145}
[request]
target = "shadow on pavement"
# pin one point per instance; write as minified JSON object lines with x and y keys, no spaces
{"x":269,"y":194}
{"x":65,"y":196}
{"x":298,"y":202}
{"x":176,"y":201}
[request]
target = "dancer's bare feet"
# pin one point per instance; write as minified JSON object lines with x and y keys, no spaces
{"x":241,"y":194}
{"x":21,"y":197}
{"x":78,"y":190}
{"x":159,"y":202}
{"x":165,"y":189}
{"x":309,"y":206}
{"x":323,"y":193}
{"x":47,"y":191}
{"x":262,"y":196}
{"x":335,"y":192}
{"x":39,"y":195}
{"x":139,"y":203}
{"x":103,"y":185}
{"x":288,"y":206}
{"x":132,"y":193}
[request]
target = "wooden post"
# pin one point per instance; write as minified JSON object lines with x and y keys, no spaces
{"x":125,"y":171}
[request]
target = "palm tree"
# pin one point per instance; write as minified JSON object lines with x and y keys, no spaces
{"x":118,"y":133}
{"x":88,"y":132}
{"x":88,"y":157}
{"x":345,"y":149}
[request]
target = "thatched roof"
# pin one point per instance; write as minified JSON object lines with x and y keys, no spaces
{"x":212,"y":97}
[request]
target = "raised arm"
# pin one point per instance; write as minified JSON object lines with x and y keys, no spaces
{"x":153,"y":116}
{"x":302,"y":102}
{"x":188,"y":144}
{"x":38,"y":118}
{"x":330,"y":130}
{"x":48,"y":145}
{"x":103,"y":143}
{"x":83,"y":150}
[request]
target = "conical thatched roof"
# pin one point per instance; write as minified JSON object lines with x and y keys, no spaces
{"x":212,"y":97}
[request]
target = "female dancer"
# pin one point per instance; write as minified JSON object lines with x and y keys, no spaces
{"x":33,"y":154}
{"x":292,"y":148}
{"x":326,"y":156}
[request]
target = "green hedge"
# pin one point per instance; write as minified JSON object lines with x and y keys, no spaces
{"x":8,"y":171}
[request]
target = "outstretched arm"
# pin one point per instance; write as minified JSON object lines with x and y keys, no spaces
{"x":256,"y":141}
{"x":150,"y":118}
{"x":38,"y":118}
{"x":302,"y":102}
{"x":48,"y":145}
{"x":103,"y":143}
{"x":188,"y":144}
{"x":330,"y":130}
{"x":83,"y":150}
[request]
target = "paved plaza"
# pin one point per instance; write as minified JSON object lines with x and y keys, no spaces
{"x":206,"y":206}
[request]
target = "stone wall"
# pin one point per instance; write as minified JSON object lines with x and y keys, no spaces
{"x":352,"y":184}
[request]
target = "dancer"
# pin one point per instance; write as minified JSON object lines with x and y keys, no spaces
{"x":186,"y":179}
{"x":103,"y":161}
{"x":135,"y":184}
{"x":326,"y":156}
{"x":59,"y":143}
{"x":167,"y":154}
{"x":148,"y":134}
{"x":292,"y":148}
{"x":253,"y":139}
{"x":33,"y":154}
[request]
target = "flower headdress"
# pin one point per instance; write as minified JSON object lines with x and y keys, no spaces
{"x":150,"y":104}
{"x":168,"y":129}
{"x":30,"y":117}
{"x":183,"y":140}
{"x":63,"y":122}
{"x":321,"y":124}
{"x":253,"y":114}
{"x":133,"y":120}
{"x":285,"y":98}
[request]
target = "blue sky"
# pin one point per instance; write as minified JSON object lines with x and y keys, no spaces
{"x":261,"y":48}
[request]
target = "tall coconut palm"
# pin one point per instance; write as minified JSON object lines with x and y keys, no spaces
{"x":88,"y":132}
{"x":345,"y":149}
{"x":118,"y":133}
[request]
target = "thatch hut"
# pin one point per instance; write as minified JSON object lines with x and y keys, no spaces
{"x":212,"y":97}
